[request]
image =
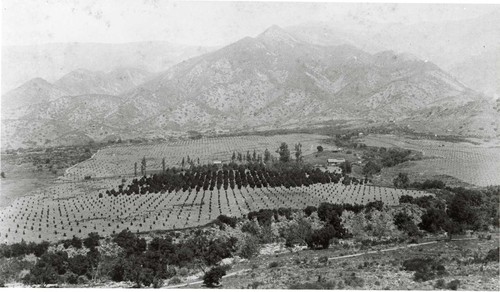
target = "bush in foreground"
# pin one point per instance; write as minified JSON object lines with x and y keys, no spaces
{"x":212,"y":278}
{"x":425,"y":268}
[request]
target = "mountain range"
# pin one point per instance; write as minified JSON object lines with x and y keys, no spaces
{"x":274,"y":80}
{"x":52,"y":61}
{"x":469,"y":49}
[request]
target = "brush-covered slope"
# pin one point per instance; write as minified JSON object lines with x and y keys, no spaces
{"x":271,"y":81}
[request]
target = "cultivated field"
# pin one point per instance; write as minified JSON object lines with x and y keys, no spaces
{"x":119,"y":160}
{"x":68,"y":209}
{"x":73,"y":206}
{"x":478,"y":165}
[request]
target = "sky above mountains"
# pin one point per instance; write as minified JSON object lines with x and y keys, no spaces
{"x":28,"y":22}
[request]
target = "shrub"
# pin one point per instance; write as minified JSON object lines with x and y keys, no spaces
{"x":354,"y":281}
{"x":492,"y":255}
{"x":251,"y":227}
{"x":309,"y":210}
{"x":254,"y":285}
{"x":70,"y":278}
{"x":212,"y":278}
{"x":296,"y":233}
{"x":329,"y":285}
{"x":377,"y":205}
{"x":405,"y":223}
{"x":401,"y":181}
{"x":433,"y":220}
{"x":323,"y":259}
{"x":76,"y":242}
{"x":405,"y":199}
{"x":440,"y":284}
{"x":174,"y":281}
{"x":371,"y":168}
{"x":41,"y":248}
{"x":321,"y":238}
{"x":264,"y":216}
{"x":130,"y":243}
{"x":250,"y":248}
{"x":82,"y":280}
{"x":48,"y":269}
{"x":79,"y":265}
{"x":92,"y":240}
{"x":231,"y":221}
{"x":425,"y":268}
{"x":453,"y":285}
{"x":273,"y":265}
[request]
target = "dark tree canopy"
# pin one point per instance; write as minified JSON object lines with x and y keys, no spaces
{"x":284,"y":152}
{"x":402,"y":181}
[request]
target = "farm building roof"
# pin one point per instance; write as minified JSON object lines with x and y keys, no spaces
{"x":333,"y":160}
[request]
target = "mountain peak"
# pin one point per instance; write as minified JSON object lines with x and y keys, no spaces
{"x":276,"y":33}
{"x":37,"y":82}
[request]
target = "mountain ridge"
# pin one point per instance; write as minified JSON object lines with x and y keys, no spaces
{"x":270,"y":81}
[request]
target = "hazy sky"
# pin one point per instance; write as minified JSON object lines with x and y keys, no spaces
{"x":27,"y":22}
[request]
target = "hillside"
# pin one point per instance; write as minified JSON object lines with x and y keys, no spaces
{"x":455,"y":46}
{"x":36,"y":90}
{"x":81,"y":81}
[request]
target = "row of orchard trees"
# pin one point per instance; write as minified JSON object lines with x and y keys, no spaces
{"x":209,"y":177}
{"x":283,"y":151}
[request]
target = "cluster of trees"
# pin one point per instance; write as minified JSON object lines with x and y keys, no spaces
{"x":382,"y":157}
{"x":56,"y":267}
{"x":402,"y":181}
{"x":252,"y":158}
{"x":53,"y":159}
{"x":23,"y":248}
{"x":146,"y":264}
{"x":371,"y":168}
{"x":231,"y":176}
{"x":139,"y":262}
{"x":462,"y":209}
{"x":264,"y":216}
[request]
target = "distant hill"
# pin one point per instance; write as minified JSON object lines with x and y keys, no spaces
{"x":35,"y":91}
{"x":467,"y":48}
{"x":118,"y":81}
{"x":274,"y":80}
{"x":52,"y":61}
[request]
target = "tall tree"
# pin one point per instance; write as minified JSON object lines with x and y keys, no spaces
{"x":346,"y":166}
{"x":267,"y":155}
{"x":233,"y":158}
{"x":249,"y":158}
{"x":143,"y":166}
{"x":240,"y":157}
{"x":254,"y":156}
{"x":298,"y":152}
{"x":284,"y":152}
{"x":163,"y":164}
{"x":135,"y":168}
